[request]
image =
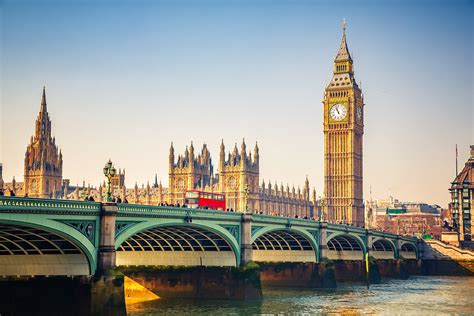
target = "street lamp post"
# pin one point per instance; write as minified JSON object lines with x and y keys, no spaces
{"x":109,"y":172}
{"x":323,"y":207}
{"x":246,"y":194}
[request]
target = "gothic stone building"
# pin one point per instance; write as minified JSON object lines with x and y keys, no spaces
{"x":343,"y":134}
{"x":237,"y":172}
{"x":189,"y":172}
{"x":43,"y":161}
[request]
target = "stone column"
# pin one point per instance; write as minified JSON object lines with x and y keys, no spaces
{"x":106,"y":253}
{"x":246,"y":239}
{"x":369,"y":242}
{"x":323,"y":242}
{"x":420,"y":248}
{"x":399,"y":247}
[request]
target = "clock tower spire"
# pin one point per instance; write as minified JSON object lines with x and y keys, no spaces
{"x":343,"y":133}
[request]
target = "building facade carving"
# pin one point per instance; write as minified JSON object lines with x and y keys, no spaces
{"x":189,"y":172}
{"x":238,"y":171}
{"x":343,"y":135}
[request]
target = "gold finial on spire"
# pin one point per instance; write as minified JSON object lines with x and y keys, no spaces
{"x":344,"y":25}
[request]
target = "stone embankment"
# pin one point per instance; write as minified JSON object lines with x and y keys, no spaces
{"x":444,"y":259}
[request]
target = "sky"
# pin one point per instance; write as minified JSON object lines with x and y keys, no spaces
{"x":125,"y":78}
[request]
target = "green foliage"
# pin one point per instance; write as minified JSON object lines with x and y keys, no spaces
{"x":251,"y":265}
{"x":115,"y":272}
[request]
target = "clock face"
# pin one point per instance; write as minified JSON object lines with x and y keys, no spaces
{"x":338,"y":112}
{"x":359,"y":114}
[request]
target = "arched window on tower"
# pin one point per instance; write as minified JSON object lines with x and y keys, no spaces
{"x":33,"y":185}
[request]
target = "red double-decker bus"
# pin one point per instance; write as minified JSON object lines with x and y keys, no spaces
{"x":201,"y":199}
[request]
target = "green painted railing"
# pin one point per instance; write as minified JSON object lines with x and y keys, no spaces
{"x":284,"y":220}
{"x":348,"y":228}
{"x":136,"y":209}
{"x":8,"y":203}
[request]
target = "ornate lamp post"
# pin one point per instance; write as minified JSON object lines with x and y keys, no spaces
{"x":246,"y":194}
{"x":323,"y":208}
{"x":109,"y":172}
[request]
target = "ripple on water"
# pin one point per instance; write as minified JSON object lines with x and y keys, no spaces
{"x":416,"y":296}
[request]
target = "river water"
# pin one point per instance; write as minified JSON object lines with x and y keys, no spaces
{"x":419,"y":295}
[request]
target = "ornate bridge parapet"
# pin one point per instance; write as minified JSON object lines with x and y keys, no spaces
{"x":75,"y":238}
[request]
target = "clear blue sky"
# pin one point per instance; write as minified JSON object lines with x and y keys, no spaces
{"x":124,"y":79}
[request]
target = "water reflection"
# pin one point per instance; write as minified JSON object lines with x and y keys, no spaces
{"x":417,"y":295}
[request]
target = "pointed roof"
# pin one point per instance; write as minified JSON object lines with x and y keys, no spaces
{"x":43,"y":101}
{"x":343,"y":53}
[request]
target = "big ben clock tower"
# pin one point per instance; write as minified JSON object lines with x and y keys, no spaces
{"x":343,"y":131}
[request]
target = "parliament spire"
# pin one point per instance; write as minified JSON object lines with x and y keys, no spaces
{"x":43,"y":101}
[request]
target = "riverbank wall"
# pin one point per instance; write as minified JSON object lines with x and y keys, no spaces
{"x":440,"y":258}
{"x":62,"y":296}
{"x":241,"y":283}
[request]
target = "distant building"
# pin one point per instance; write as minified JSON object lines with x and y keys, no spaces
{"x":43,"y":160}
{"x":238,"y":171}
{"x":462,"y":200}
{"x":405,"y":218}
{"x":118,"y":180}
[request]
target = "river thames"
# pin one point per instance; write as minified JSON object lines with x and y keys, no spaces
{"x":419,"y":295}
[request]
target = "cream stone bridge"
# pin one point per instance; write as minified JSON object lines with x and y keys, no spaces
{"x":61,"y":237}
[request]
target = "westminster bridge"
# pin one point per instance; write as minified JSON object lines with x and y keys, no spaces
{"x":63,"y":237}
{"x":52,"y":248}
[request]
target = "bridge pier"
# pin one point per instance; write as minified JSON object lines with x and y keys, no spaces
{"x":106,"y":250}
{"x":246,"y":239}
{"x":399,"y":247}
{"x":323,"y":241}
{"x":369,"y":241}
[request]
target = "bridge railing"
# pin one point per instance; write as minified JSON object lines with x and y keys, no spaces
{"x":284,"y":220}
{"x":10,"y":203}
{"x":176,"y":211}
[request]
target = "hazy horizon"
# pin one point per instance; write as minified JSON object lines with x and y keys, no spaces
{"x":124,"y":80}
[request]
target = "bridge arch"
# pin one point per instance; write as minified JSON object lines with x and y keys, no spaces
{"x":177,"y":244}
{"x":383,"y":249}
{"x":49,"y":248}
{"x":344,"y":246}
{"x":277,"y":244}
{"x":408,"y":250}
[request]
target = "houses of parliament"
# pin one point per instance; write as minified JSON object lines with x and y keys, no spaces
{"x":238,"y":175}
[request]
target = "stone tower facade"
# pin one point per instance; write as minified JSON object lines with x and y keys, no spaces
{"x":43,"y":160}
{"x":235,"y":173}
{"x":343,"y":134}
{"x":188,"y":172}
{"x":118,"y":181}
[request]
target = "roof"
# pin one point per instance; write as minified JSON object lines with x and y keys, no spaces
{"x":467,"y":173}
{"x":343,"y":53}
